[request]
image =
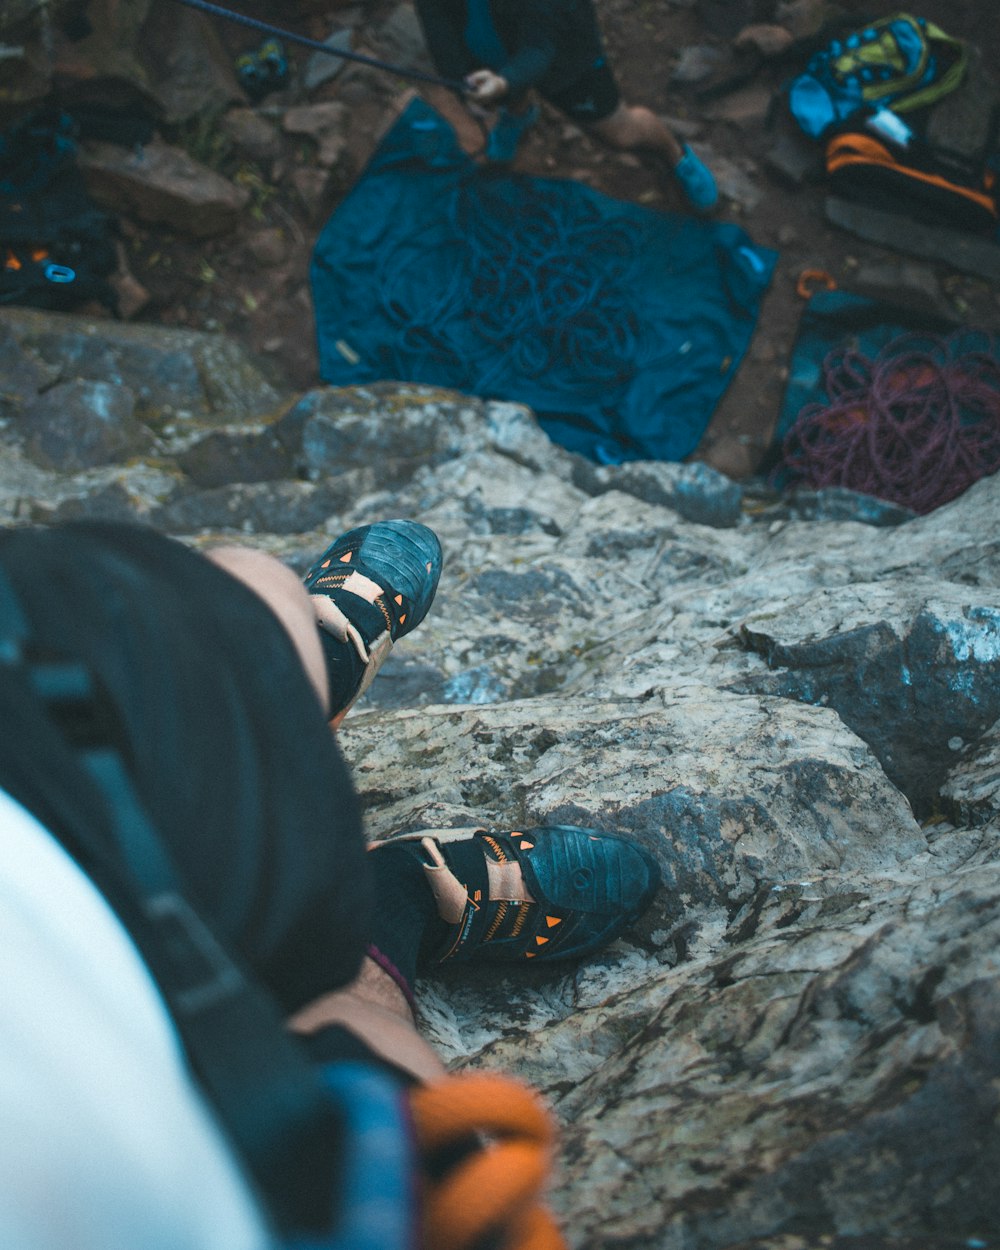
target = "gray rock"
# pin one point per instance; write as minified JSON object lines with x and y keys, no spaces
{"x":401,"y":40}
{"x":964,"y":121}
{"x":962,"y":251}
{"x":163,"y":185}
{"x":903,"y":283}
{"x":837,"y":503}
{"x":736,"y":179}
{"x":798,"y":1043}
{"x":325,"y":124}
{"x":252,"y":135}
{"x":971,"y":792}
{"x":695,"y":491}
{"x":235,"y":455}
{"x":188,"y":68}
{"x":696,"y":63}
{"x":22,"y":374}
{"x":322,"y":67}
{"x":884,"y":1116}
{"x":175,"y":375}
{"x":249,"y":508}
{"x":76,"y":425}
{"x":794,"y":159}
{"x":341,"y":430}
{"x":907,"y":668}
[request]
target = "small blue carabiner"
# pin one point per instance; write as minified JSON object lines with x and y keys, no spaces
{"x":60,"y":273}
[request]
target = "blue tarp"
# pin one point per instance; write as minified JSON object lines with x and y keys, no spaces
{"x":620,"y":326}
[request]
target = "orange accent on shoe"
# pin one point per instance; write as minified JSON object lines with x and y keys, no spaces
{"x":495,"y":924}
{"x":552,"y":921}
{"x":347,"y":557}
{"x":399,"y":600}
{"x":497,"y":849}
{"x":527,"y":846}
{"x":477,"y":896}
{"x":520,"y":919}
{"x":402,"y":619}
{"x":325,"y":564}
{"x":530,"y":954}
{"x":540,"y":941}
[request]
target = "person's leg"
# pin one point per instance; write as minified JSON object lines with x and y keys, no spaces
{"x":633,"y":128}
{"x":594,"y":103}
{"x":287,"y":598}
{"x":211,"y":688}
{"x":456,"y":894}
{"x":376,"y":1011}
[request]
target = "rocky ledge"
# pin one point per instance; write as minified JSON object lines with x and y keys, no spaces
{"x":798,"y":717}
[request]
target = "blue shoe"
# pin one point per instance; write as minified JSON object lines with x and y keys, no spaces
{"x":505,"y":137}
{"x":696,"y":181}
{"x":587,"y":887}
{"x":373,"y":586}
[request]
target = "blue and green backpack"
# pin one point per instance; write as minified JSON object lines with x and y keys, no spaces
{"x":900,"y":62}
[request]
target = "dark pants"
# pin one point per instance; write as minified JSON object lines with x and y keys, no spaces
{"x":221,"y":733}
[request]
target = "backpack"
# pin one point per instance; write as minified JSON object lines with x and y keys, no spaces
{"x":914,"y":179}
{"x":902,"y":62}
{"x":57,"y":247}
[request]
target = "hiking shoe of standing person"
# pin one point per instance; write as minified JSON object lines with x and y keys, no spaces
{"x":506,"y":135}
{"x":696,"y":181}
{"x":371,"y":587}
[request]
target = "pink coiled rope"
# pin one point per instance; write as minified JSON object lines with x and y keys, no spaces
{"x":915,"y":425}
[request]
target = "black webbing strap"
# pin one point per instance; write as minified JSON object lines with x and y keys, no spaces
{"x":267,"y":1096}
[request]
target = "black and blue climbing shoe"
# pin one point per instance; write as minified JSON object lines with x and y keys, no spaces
{"x":551,"y":892}
{"x":373,"y":586}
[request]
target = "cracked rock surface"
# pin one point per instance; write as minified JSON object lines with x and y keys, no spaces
{"x":800,"y":1043}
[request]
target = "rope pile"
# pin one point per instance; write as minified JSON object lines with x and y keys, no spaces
{"x":486,"y":1142}
{"x":915,"y":425}
{"x":534,"y":291}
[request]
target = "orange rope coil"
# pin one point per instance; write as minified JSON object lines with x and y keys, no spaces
{"x":498,"y":1185}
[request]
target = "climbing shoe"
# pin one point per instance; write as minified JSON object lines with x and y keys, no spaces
{"x":372,"y":587}
{"x":551,"y":892}
{"x":506,"y":135}
{"x":696,"y":181}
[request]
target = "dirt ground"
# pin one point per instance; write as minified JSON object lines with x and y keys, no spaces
{"x":222,"y":284}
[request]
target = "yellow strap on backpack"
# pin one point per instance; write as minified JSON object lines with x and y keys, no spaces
{"x":948,"y":81}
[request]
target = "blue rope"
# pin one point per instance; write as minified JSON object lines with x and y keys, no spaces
{"x":216,"y":10}
{"x":531,"y":291}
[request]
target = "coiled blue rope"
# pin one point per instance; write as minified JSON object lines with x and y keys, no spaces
{"x":532,"y":290}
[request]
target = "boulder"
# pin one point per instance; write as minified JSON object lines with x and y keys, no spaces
{"x":912,"y":670}
{"x":325,"y":124}
{"x":79,"y":424}
{"x":161,"y":184}
{"x":190,"y":73}
{"x":180,"y":378}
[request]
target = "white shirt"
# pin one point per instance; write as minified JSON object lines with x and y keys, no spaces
{"x":106,"y":1143}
